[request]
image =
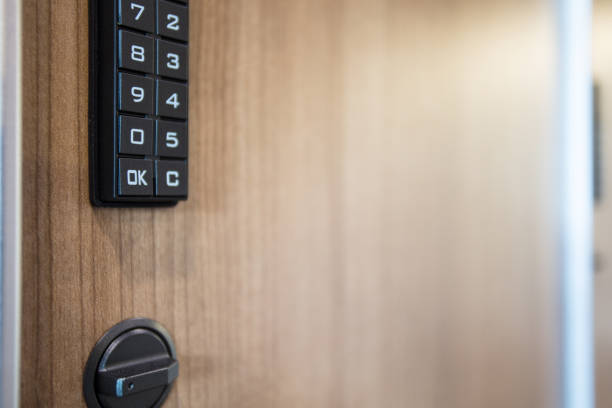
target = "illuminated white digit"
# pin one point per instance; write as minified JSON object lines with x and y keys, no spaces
{"x":140,"y":9}
{"x":173,"y":101}
{"x":174,"y":22}
{"x":172,"y":140}
{"x":138,"y":53}
{"x":173,"y":61}
{"x":137,"y":136}
{"x":138,"y":93}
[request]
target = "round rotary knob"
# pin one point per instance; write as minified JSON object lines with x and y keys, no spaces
{"x":132,"y":366}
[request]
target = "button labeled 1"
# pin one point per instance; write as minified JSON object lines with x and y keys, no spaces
{"x":171,"y":178}
{"x":135,"y":177}
{"x":171,"y":99}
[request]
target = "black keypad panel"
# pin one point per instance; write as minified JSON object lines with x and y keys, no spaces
{"x":139,"y":76}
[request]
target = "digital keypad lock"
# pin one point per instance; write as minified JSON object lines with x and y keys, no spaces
{"x":139,"y":99}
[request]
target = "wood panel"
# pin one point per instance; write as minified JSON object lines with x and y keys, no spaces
{"x":370,"y":217}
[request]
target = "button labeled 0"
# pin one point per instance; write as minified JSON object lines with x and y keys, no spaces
{"x":136,"y":135}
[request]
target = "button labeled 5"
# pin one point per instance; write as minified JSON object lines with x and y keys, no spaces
{"x":172,"y":139}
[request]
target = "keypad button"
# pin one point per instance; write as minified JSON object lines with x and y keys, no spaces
{"x":171,"y":178}
{"x":171,"y":99}
{"x":172,"y":60}
{"x":136,"y":94}
{"x":135,"y":177}
{"x":172,"y":139}
{"x":138,"y":14}
{"x":173,"y":21}
{"x":136,"y":52}
{"x":136,"y":135}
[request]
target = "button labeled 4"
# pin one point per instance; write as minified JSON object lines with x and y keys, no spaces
{"x":171,"y":99}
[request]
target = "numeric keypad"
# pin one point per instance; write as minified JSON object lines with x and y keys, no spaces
{"x":140,"y":134}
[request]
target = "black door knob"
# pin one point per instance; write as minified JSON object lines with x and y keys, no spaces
{"x":133,"y":365}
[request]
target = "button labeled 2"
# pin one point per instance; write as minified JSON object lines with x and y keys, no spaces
{"x":172,"y":21}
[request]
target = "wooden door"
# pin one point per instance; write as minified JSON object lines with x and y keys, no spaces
{"x":369,"y":221}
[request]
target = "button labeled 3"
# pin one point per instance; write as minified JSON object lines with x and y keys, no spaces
{"x":172,"y":60}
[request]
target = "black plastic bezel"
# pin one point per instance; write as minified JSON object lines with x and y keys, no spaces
{"x":102,"y":89}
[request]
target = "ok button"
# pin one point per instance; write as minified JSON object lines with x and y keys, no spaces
{"x":135,"y":177}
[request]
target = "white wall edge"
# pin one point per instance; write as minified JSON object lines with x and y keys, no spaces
{"x":576,"y":126}
{"x":10,"y":109}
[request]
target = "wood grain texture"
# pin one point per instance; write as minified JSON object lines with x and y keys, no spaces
{"x":369,"y":222}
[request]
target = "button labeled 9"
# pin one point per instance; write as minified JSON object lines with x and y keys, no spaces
{"x":136,"y":94}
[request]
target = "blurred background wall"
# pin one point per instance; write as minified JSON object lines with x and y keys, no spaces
{"x":602,"y":65}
